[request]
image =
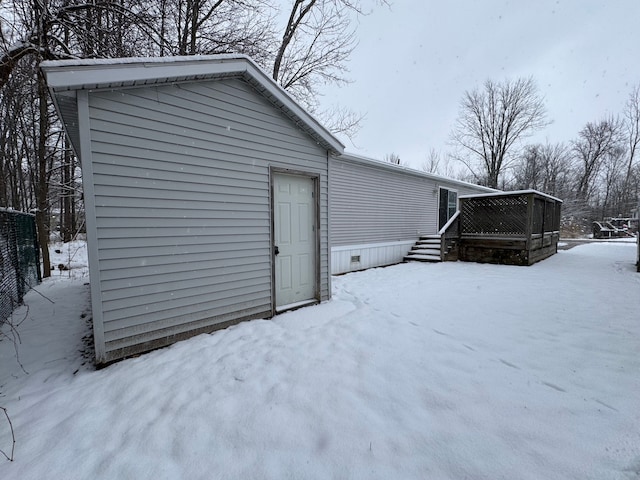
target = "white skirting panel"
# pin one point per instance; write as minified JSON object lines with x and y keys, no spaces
{"x":359,"y":257}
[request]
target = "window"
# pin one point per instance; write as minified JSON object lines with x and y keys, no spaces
{"x":448,"y":206}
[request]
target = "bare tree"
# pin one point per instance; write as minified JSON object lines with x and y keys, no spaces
{"x":341,"y":120}
{"x":632,"y":131}
{"x":432,"y":162}
{"x":35,"y":30}
{"x":492,"y":120}
{"x":190,"y":27}
{"x":528,"y":171}
{"x":56,"y":29}
{"x":543,"y":167}
{"x":612,"y":182}
{"x":595,"y":142}
{"x":392,"y":158}
{"x":440,"y":164}
{"x":317,"y":41}
{"x":558,"y":163}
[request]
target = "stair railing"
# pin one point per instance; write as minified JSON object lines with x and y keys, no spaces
{"x":449,"y":234}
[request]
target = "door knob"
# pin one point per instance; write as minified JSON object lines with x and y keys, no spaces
{"x":276,"y":250}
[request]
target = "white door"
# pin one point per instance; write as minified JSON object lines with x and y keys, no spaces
{"x":295,"y":240}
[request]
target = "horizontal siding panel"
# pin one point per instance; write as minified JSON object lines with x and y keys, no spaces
{"x":242,"y":187}
{"x":222,"y":220}
{"x":141,"y":167}
{"x":197,"y":213}
{"x":68,"y":107}
{"x":150,"y":261}
{"x":253,"y":161}
{"x":233,"y":94}
{"x":237,"y":233}
{"x":151,"y":160}
{"x":153,"y":280}
{"x":374,"y":205}
{"x":177,"y":267}
{"x":182,"y":136}
{"x":123,"y":318}
{"x":180,"y":147}
{"x":196,"y":321}
{"x":110,"y":246}
{"x":216,"y":202}
{"x":208,"y":104}
{"x":220,"y":121}
{"x":252,"y":302}
{"x":106,"y":193}
{"x":167,"y":112}
{"x":207,"y":283}
{"x":182,"y":298}
{"x":233,"y":102}
{"x":174,"y":250}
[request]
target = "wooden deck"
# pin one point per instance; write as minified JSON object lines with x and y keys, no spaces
{"x":514,"y":228}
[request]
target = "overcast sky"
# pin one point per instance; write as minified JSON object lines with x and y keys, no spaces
{"x":415,"y":60}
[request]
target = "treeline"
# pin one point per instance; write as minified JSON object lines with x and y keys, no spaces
{"x":597,"y":173}
{"x":302,"y":43}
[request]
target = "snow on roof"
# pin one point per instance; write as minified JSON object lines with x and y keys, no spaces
{"x":514,"y":192}
{"x":84,"y":62}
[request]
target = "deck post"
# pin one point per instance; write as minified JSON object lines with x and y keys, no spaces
{"x":529,"y":224}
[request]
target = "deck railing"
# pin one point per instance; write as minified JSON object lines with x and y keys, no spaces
{"x":514,"y":227}
{"x":449,"y":235}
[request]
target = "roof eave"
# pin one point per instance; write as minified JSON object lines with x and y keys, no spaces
{"x":514,"y":193}
{"x":350,"y":157}
{"x":68,"y":75}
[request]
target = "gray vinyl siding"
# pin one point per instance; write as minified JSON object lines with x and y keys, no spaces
{"x":67,"y":105}
{"x":372,"y":203}
{"x":182,"y":195}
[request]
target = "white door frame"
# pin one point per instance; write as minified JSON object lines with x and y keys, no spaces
{"x":448,"y":189}
{"x":315,"y":180}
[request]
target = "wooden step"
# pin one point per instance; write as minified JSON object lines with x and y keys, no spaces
{"x":426,"y":249}
{"x":428,"y":241}
{"x":422,"y":258}
{"x":419,"y":250}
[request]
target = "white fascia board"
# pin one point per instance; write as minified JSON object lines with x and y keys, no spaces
{"x":512,"y":193}
{"x":88,"y":74}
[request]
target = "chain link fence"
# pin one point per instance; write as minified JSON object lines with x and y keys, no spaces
{"x":19,"y":259}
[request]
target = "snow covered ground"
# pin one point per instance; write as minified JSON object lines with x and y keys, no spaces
{"x":430,"y":371}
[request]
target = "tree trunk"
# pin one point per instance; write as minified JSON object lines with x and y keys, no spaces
{"x":42,"y":187}
{"x":66,"y":221}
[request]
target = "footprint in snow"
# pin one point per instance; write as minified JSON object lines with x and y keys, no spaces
{"x":509,"y":364}
{"x":555,"y":387}
{"x":605,"y":405}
